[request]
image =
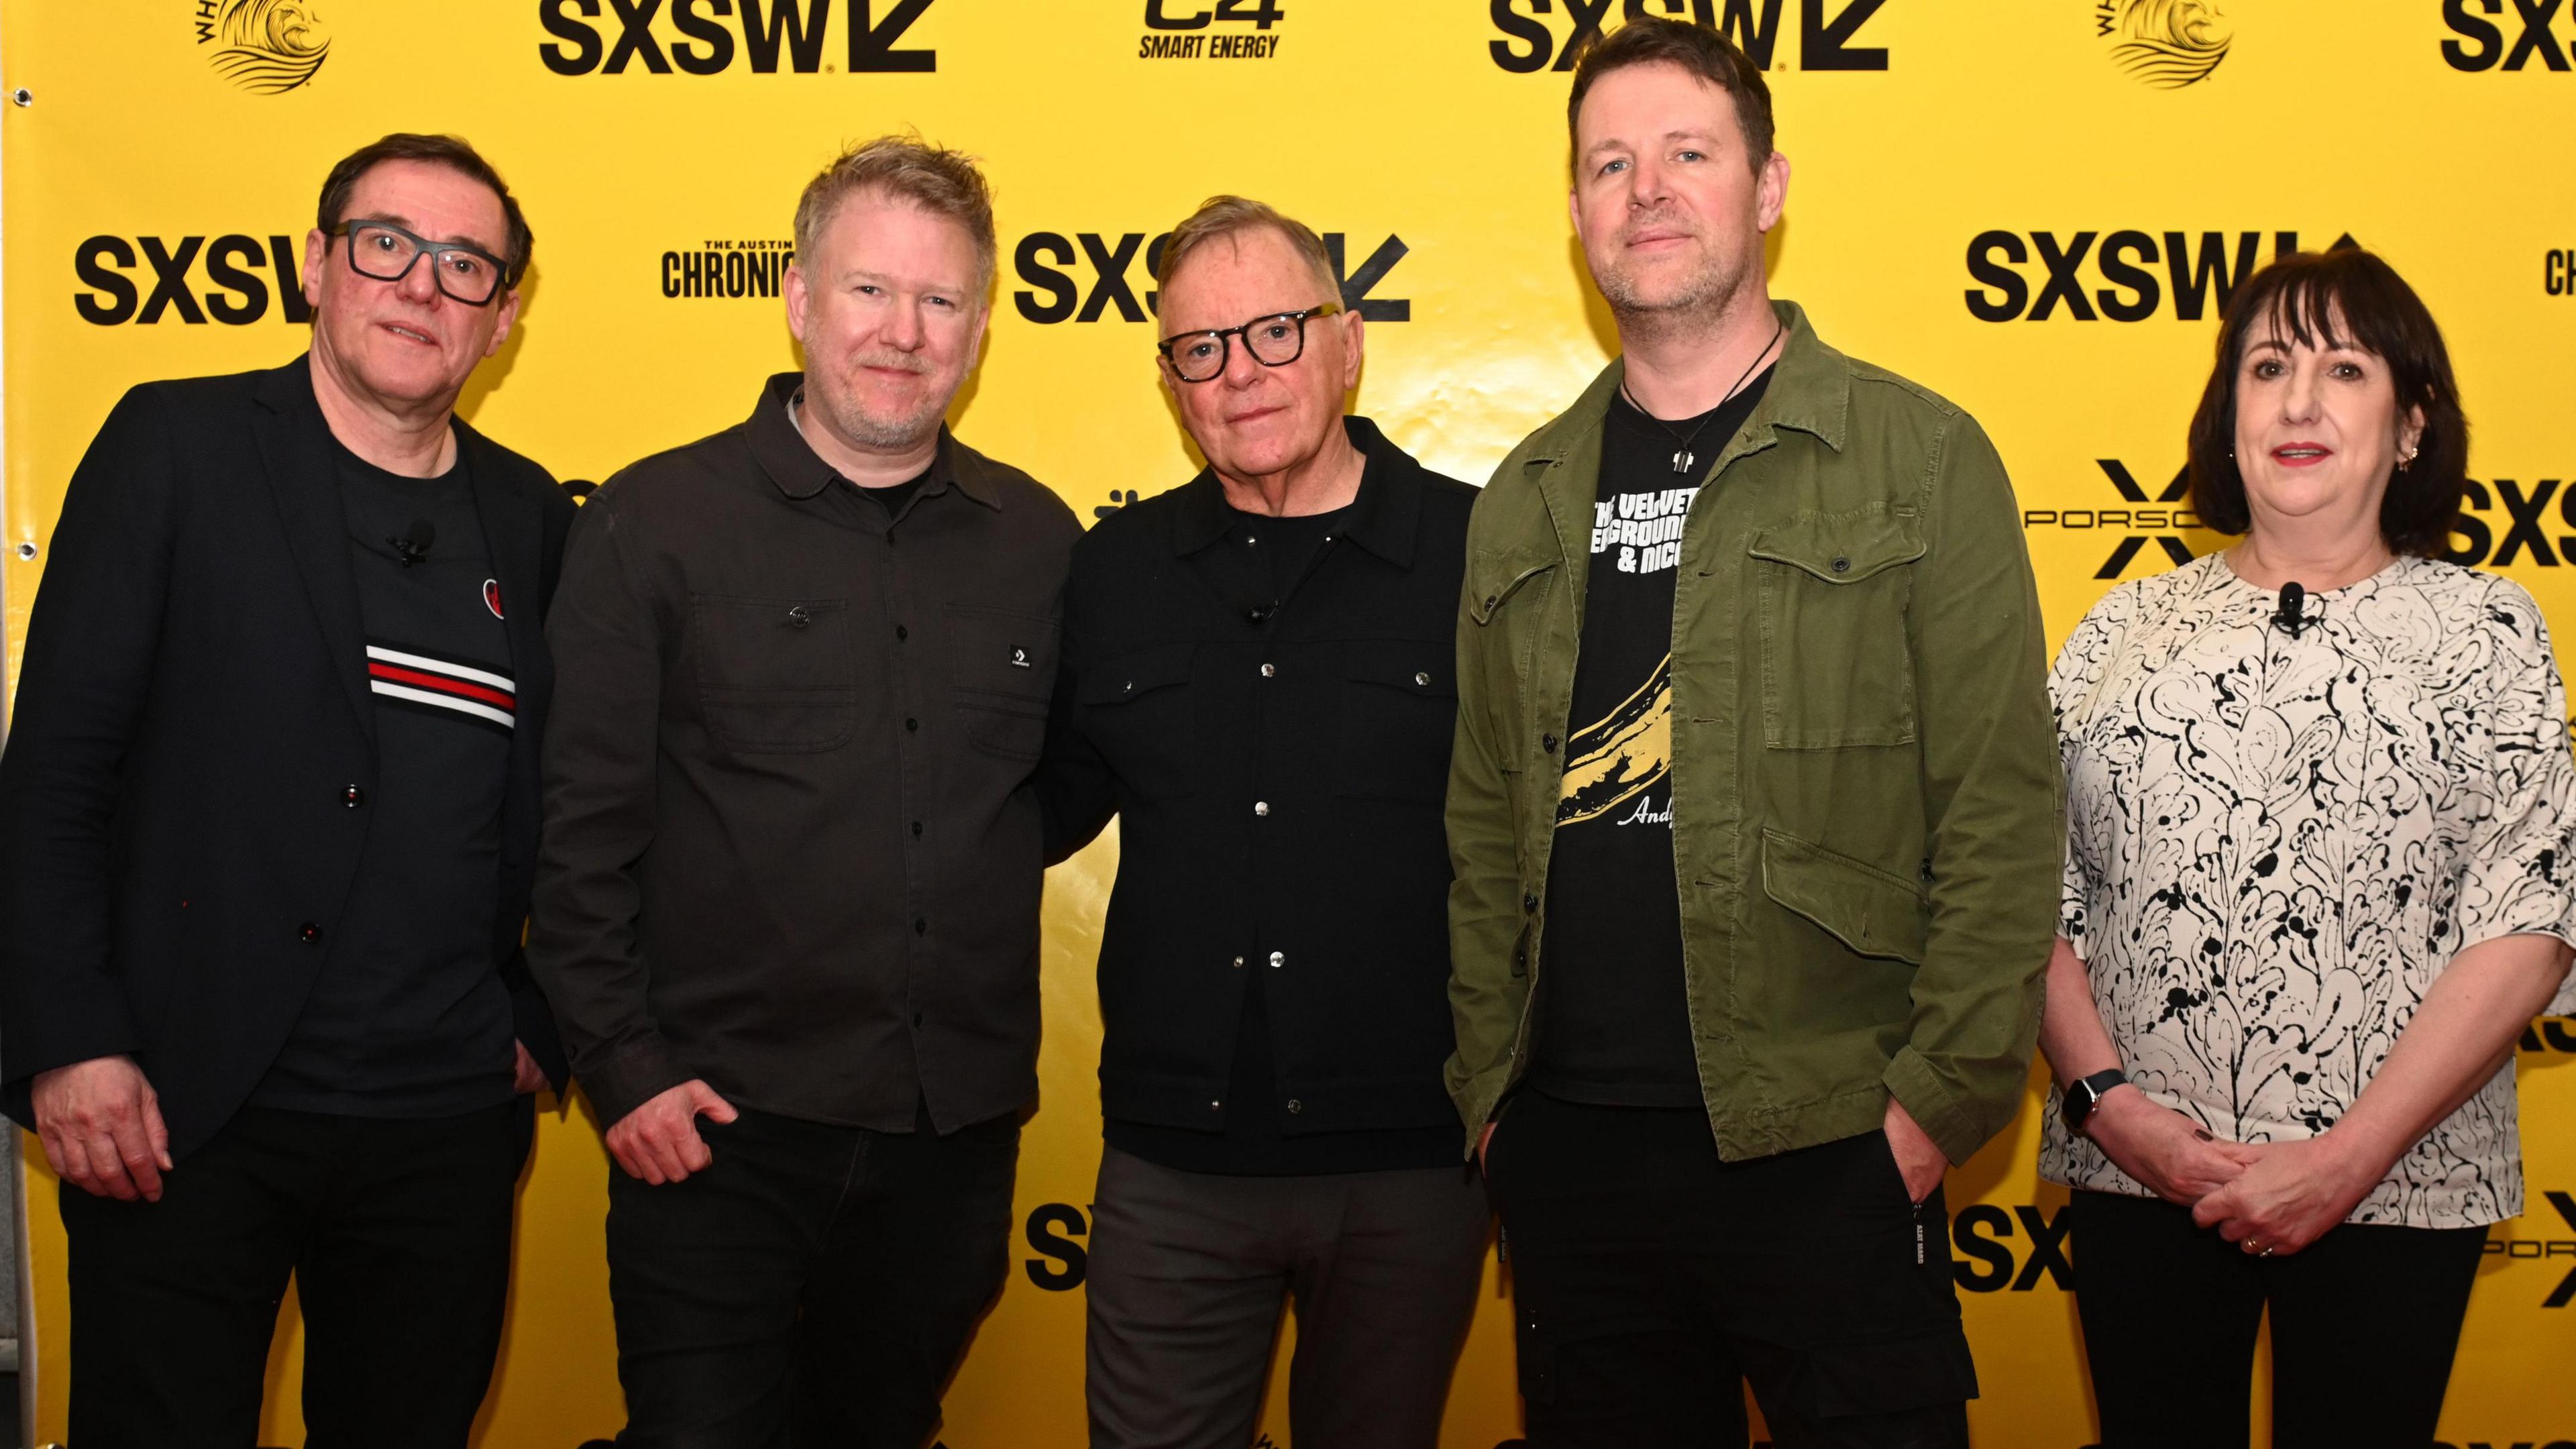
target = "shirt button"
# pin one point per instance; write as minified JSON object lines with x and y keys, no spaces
{"x":352,"y":796}
{"x":912,"y":724}
{"x":916,"y":1018}
{"x":1547,"y":743}
{"x":308,"y":933}
{"x":1260,"y":807}
{"x":800,"y":616}
{"x":1238,"y":963}
{"x":1268,"y":670}
{"x":1278,"y":959}
{"x":916,"y":830}
{"x":1842,"y":565}
{"x":1295,"y":1106}
{"x":1216,"y":1106}
{"x":1422,"y":677}
{"x":1529,"y":901}
{"x":920,"y":926}
{"x":1128,"y":688}
{"x":901,"y":633}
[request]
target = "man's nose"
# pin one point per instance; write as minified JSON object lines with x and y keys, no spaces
{"x":903,"y":330}
{"x":420,"y":284}
{"x":1242,"y":370}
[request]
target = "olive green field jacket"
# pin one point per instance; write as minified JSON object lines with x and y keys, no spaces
{"x":1867,"y":818}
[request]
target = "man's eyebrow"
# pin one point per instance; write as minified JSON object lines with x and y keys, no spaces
{"x":395,"y":218}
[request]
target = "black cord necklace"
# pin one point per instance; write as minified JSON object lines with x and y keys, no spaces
{"x":1683,"y":457}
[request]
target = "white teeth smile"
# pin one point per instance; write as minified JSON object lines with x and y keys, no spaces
{"x":407,"y":332}
{"x":2300,"y":453}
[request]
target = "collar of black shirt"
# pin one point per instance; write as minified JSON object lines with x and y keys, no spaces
{"x":801,"y":473}
{"x":1382,"y":519}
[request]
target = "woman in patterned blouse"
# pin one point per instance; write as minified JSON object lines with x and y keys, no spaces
{"x":2317,"y":881}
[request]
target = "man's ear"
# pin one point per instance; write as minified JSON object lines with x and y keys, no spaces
{"x":799,"y":297}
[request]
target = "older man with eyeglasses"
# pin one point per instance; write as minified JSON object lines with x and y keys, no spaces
{"x":268,"y":825}
{"x":1258,"y":677}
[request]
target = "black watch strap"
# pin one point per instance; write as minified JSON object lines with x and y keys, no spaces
{"x":2083,"y":1096}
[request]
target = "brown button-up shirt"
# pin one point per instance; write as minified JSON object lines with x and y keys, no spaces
{"x":788,"y":845}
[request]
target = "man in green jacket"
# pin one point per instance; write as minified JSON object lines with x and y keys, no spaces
{"x":1762,"y":784}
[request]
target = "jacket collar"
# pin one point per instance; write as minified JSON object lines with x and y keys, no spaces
{"x":1810,"y":391}
{"x":1385,"y":517}
{"x":800,"y":473}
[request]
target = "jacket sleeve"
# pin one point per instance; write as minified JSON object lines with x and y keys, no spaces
{"x":1993,"y":798}
{"x":1076,"y":795}
{"x":1486,"y":986}
{"x":602,"y":739}
{"x":86,"y":677}
{"x":532,"y":1016}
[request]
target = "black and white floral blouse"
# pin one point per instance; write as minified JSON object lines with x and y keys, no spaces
{"x":2275,"y":844}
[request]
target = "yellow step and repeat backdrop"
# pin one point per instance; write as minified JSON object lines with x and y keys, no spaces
{"x":2036,"y":206}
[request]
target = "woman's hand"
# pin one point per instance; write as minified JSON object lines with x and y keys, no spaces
{"x":2173,"y":1155}
{"x":2292,"y":1195}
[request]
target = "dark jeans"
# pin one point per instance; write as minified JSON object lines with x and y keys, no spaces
{"x":1653,"y":1280}
{"x":397,"y":1234}
{"x":2364,"y":1324}
{"x":1188,"y":1271}
{"x":815,"y":1286}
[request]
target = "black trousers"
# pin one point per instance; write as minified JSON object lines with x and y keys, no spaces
{"x":1188,"y":1272}
{"x":2364,"y":1324}
{"x":815,"y":1286}
{"x":1653,"y":1280}
{"x":397,"y":1234}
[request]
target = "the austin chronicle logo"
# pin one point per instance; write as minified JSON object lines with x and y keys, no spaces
{"x":2167,"y":44}
{"x":266,"y":46}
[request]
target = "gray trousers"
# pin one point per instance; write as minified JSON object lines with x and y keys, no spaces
{"x":1188,"y":1271}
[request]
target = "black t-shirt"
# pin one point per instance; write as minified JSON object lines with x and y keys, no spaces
{"x":1614,"y":1015}
{"x":409,"y":1017}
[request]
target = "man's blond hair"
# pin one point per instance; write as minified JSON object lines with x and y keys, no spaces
{"x":906,"y":168}
{"x":1225,"y":216}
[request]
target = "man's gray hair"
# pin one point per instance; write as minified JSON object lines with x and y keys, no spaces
{"x":1224,"y":216}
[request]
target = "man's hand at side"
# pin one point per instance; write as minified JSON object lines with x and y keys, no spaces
{"x":1917,"y":1156}
{"x":527,"y":1076}
{"x":101,"y":1125}
{"x":659,"y":1141}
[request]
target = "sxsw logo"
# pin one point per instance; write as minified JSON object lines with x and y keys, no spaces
{"x":148,"y":278}
{"x":706,"y":37}
{"x":1054,"y":265}
{"x":2197,"y":276}
{"x":2142,"y":518}
{"x":1062,"y":1263}
{"x":2478,"y":543}
{"x":1826,"y":30}
{"x":1987,"y":1238}
{"x":2480,"y":43}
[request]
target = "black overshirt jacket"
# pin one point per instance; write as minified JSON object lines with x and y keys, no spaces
{"x":1278,"y":773}
{"x":789,"y":845}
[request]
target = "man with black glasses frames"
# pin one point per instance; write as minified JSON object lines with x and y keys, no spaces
{"x":268,"y":820}
{"x":1257,"y":677}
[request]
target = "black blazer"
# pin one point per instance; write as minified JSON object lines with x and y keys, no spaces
{"x":177,"y":832}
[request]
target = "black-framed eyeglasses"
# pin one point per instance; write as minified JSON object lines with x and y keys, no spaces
{"x":1273,"y":341}
{"x":387,"y":253}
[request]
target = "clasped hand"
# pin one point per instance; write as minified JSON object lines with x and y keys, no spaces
{"x":2281,"y":1196}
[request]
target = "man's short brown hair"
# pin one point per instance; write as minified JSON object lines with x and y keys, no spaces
{"x":1222,"y":216}
{"x":1698,"y":49}
{"x":452,"y":152}
{"x":939,"y":181}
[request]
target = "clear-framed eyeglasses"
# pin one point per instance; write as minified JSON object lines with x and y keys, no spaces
{"x":1273,"y":341}
{"x":387,"y":253}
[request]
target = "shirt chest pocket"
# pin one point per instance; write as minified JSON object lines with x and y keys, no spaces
{"x":1138,"y":713}
{"x":775,"y":675}
{"x":1833,"y":592}
{"x":1399,"y":712}
{"x":1003,"y":663}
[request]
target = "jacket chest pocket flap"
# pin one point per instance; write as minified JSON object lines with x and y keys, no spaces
{"x":1834,"y":589}
{"x":1138,"y":715}
{"x":1868,"y":910}
{"x":775,"y":675}
{"x":1399,"y":713}
{"x":1003,"y":663}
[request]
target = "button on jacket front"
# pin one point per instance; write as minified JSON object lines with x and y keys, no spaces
{"x":788,"y":849}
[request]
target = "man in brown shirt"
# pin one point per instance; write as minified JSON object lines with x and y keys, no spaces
{"x":787,"y":906}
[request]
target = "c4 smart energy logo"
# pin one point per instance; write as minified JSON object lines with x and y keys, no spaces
{"x":1210,"y":30}
{"x":710,"y":37}
{"x":262,"y":46}
{"x":2535,"y":35}
{"x":2167,"y":44}
{"x":1534,"y":41}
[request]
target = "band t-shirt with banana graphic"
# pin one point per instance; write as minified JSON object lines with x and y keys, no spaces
{"x":1614,"y":1023}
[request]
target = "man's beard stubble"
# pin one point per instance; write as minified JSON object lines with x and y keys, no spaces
{"x":1699,"y":304}
{"x":876,"y":431}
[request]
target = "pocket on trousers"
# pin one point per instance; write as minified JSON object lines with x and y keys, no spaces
{"x":1925,"y":1370}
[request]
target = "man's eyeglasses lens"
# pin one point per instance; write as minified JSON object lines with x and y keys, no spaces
{"x":388,"y":253}
{"x":1273,"y":342}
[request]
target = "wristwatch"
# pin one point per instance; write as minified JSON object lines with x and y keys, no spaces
{"x":2082,"y":1097}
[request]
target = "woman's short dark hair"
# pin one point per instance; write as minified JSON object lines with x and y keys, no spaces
{"x":2306,"y":297}
{"x":1699,"y":49}
{"x":452,"y":152}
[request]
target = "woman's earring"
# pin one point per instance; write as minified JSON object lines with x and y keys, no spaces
{"x":2408,"y":460}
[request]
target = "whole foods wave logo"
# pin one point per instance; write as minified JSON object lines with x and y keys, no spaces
{"x":2168,"y":44}
{"x":268,"y":46}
